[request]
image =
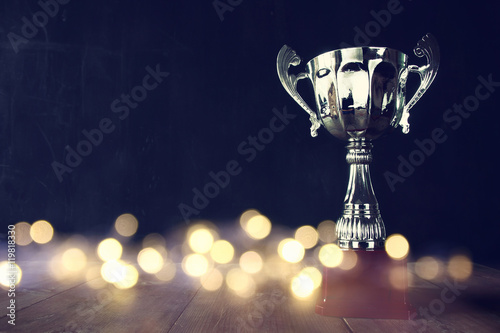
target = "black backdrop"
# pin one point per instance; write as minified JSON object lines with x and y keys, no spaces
{"x":67,"y":67}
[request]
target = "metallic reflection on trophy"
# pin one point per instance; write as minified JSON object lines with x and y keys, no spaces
{"x":360,"y":95}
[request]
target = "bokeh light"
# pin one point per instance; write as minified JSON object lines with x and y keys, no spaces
{"x":307,"y":236}
{"x":222,"y":251}
{"x":74,"y":259}
{"x":41,"y":232}
{"x":314,"y":274}
{"x":251,"y":262}
{"x":460,"y":267}
{"x":7,"y":270}
{"x":200,"y":240}
{"x":327,"y":231}
{"x":302,"y":286}
{"x":258,"y":227}
{"x":397,"y":247}
{"x":130,"y":278}
{"x":398,"y":277}
{"x":212,"y":280}
{"x":150,"y":260}
{"x":240,"y":282}
{"x":428,"y":268}
{"x":167,"y":272}
{"x":23,"y":236}
{"x":291,"y":250}
{"x":195,"y":264}
{"x":246,"y":216}
{"x":330,"y":255}
{"x":113,"y":271}
{"x":154,"y":240}
{"x":126,"y":225}
{"x":349,"y":260}
{"x":109,"y":249}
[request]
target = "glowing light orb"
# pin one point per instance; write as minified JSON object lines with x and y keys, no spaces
{"x":201,"y":240}
{"x":349,"y":260}
{"x":168,"y":271}
{"x":41,"y":232}
{"x":150,"y":260}
{"x":23,"y":236}
{"x":10,"y":274}
{"x":397,"y":247}
{"x":126,"y":225}
{"x":130,"y":278}
{"x":74,"y":260}
{"x":314,"y":274}
{"x":109,"y":249}
{"x":258,"y":227}
{"x":240,"y":282}
{"x":222,"y":252}
{"x":246,"y":216}
{"x":251,"y":262}
{"x":212,"y":280}
{"x":428,"y":268}
{"x":460,"y":267}
{"x":291,"y":250}
{"x":327,"y":231}
{"x":195,"y":264}
{"x":307,"y":236}
{"x":302,"y":286}
{"x":330,"y":255}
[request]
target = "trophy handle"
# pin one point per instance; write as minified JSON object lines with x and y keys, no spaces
{"x":429,"y":48}
{"x":286,"y":58}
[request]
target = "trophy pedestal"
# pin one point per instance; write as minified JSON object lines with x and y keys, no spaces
{"x":376,"y":287}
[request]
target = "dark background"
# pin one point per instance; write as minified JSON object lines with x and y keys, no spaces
{"x":222,"y":87}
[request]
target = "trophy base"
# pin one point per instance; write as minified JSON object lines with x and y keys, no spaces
{"x":376,"y":287}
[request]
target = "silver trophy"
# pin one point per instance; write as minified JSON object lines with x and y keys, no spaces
{"x":360,"y":95}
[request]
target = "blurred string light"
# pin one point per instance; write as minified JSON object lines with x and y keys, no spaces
{"x":41,"y":232}
{"x":291,"y":250}
{"x":213,"y":280}
{"x":120,"y":274}
{"x":23,"y":236}
{"x":397,"y":247}
{"x":195,"y":265}
{"x":167,"y":272}
{"x":154,"y":240}
{"x":74,"y":260}
{"x":251,"y":262}
{"x":240,"y":282}
{"x":7,"y":270}
{"x":327,"y":231}
{"x":150,"y":260}
{"x":201,"y":237}
{"x":460,"y":267}
{"x":302,"y":286}
{"x":222,"y":251}
{"x":307,"y":236}
{"x":349,"y":260}
{"x":330,"y":255}
{"x":428,"y":268}
{"x":126,"y":225}
{"x":256,"y":225}
{"x":109,"y":249}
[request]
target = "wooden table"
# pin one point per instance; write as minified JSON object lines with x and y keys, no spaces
{"x":44,"y":304}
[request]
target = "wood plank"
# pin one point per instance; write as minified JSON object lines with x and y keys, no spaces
{"x":151,"y":306}
{"x":37,"y":283}
{"x":270,"y":309}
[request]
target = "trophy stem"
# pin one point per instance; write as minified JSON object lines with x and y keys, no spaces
{"x":361,"y":225}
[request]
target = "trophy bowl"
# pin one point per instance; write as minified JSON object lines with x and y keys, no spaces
{"x":360,"y":95}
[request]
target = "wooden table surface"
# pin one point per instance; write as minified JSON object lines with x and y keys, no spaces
{"x":44,"y":304}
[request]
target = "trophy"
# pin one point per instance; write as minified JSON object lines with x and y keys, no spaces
{"x":360,"y":95}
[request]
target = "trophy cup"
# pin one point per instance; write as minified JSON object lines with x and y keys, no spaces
{"x":360,"y":96}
